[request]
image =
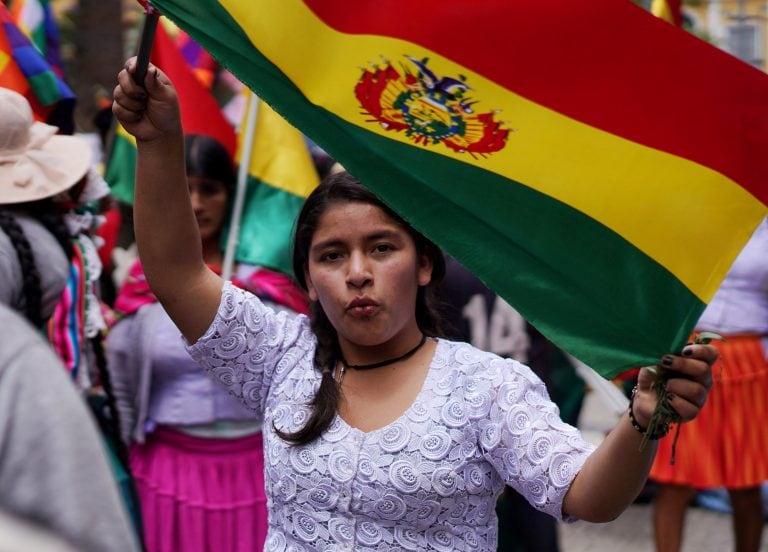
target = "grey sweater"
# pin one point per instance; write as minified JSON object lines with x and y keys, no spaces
{"x":53,"y":467}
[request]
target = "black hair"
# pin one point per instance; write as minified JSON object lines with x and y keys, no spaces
{"x":48,"y":214}
{"x":30,"y":276}
{"x":344,"y":188}
{"x":207,"y":158}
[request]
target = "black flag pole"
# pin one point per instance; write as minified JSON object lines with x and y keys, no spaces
{"x":145,"y":43}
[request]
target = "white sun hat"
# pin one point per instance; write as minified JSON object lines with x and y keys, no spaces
{"x":35,"y":162}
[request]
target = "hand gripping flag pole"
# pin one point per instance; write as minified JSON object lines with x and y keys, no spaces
{"x":145,"y":44}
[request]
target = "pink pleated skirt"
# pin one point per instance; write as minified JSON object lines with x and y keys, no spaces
{"x":201,"y":495}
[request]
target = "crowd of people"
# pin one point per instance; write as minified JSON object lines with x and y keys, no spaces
{"x":378,"y":398}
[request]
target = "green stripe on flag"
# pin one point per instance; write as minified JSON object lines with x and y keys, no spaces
{"x":45,"y":86}
{"x":120,"y":173}
{"x":266,"y":230}
{"x":588,"y":279}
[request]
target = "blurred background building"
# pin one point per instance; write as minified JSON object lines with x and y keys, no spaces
{"x":736,"y":26}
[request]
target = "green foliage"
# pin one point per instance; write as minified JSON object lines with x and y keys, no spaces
{"x":664,"y":415}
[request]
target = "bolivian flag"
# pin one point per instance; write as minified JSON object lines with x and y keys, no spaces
{"x":280,"y":177}
{"x":120,"y":172}
{"x":200,"y":114}
{"x":524,"y":137}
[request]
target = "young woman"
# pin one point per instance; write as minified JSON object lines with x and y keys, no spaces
{"x":195,"y":452}
{"x":377,"y":434}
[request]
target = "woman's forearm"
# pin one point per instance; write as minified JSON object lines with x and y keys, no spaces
{"x":612,"y":476}
{"x":166,"y":229}
{"x":615,"y":473}
{"x":165,"y":226}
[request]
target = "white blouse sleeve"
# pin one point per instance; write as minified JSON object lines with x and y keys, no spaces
{"x":531,"y":448}
{"x":249,"y":346}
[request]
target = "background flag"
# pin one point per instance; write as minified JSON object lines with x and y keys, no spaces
{"x":280,"y":176}
{"x":200,"y":114}
{"x":525,"y":138}
{"x":23,"y":69}
{"x":35,"y":18}
{"x":120,"y":172}
{"x":202,"y":64}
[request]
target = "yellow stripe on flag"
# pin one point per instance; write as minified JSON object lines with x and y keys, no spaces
{"x":4,"y":59}
{"x":120,"y":131}
{"x":593,"y":171}
{"x":280,"y":157}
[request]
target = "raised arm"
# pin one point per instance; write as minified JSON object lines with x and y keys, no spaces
{"x":164,"y":223}
{"x":614,"y":474}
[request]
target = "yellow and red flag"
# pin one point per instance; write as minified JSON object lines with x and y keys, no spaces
{"x":280,"y":177}
{"x":525,"y":138}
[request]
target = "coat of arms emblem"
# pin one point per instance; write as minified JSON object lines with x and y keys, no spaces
{"x":430,"y":109}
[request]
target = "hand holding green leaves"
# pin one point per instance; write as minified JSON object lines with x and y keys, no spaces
{"x":676,"y":389}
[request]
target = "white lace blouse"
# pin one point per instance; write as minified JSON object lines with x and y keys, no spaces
{"x":427,"y":481}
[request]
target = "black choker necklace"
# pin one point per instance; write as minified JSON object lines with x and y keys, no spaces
{"x":404,"y":356}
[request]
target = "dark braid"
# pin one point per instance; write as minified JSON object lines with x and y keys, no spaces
{"x":47,"y":214}
{"x":31,"y":287}
{"x":337,"y":188}
{"x":326,"y":400}
{"x":110,"y":424}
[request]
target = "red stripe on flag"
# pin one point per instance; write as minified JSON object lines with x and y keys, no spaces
{"x":200,"y":113}
{"x":618,"y":58}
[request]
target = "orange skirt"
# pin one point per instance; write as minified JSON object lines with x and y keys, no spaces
{"x":727,"y":444}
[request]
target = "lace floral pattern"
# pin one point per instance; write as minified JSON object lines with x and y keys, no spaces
{"x":427,"y":481}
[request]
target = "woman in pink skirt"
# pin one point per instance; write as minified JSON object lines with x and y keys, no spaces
{"x":195,"y":452}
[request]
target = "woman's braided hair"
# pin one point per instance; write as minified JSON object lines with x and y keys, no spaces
{"x":344,"y":188}
{"x":30,"y":276}
{"x":45,"y":213}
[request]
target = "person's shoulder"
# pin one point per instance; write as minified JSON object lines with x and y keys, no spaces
{"x":469,"y":358}
{"x":466,"y":353}
{"x":235,"y":298}
{"x":479,"y":363}
{"x":47,"y":250}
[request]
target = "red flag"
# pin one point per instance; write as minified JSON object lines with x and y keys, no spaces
{"x":200,"y":112}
